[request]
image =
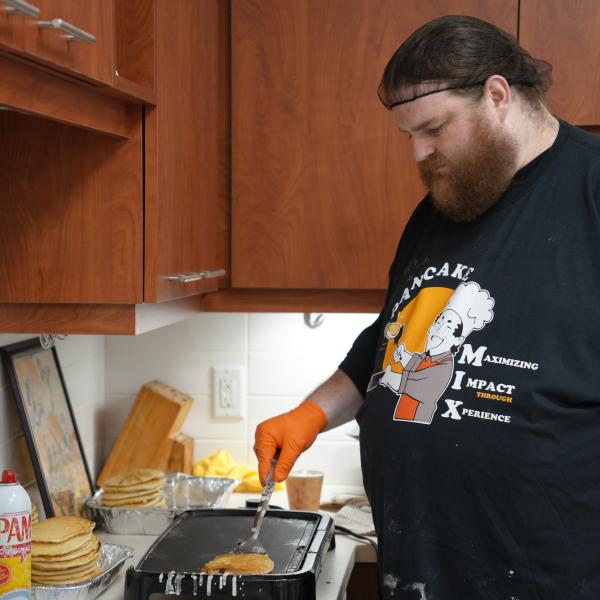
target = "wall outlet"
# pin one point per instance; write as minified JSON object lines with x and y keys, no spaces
{"x":228,"y":392}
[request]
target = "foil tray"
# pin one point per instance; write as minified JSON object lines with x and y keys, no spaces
{"x":112,"y":557}
{"x":182,"y":492}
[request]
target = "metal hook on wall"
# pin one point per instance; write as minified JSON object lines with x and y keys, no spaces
{"x":313,"y":321}
{"x":48,"y":340}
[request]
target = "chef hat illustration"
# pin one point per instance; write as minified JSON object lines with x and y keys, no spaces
{"x":473,"y":305}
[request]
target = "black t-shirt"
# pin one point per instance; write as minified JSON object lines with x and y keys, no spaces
{"x":480,"y":429}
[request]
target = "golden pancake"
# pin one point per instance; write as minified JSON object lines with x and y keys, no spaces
{"x":158,"y":502}
{"x":66,"y":579}
{"x":79,"y":570}
{"x":43,"y":564}
{"x":135,"y":477}
{"x":92,"y":545}
{"x":141,"y":487}
{"x":140,"y":501}
{"x":239,"y":563}
{"x":111,"y":496}
{"x":130,"y":495}
{"x":62,"y":548}
{"x":60,"y":529}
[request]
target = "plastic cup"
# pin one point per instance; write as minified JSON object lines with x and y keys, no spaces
{"x":304,"y":489}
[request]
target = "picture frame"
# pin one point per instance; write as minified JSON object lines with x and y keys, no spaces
{"x":57,"y":455}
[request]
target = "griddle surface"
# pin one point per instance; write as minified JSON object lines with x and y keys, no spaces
{"x":199,"y":536}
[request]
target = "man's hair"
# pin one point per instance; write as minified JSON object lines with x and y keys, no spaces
{"x":461,"y":52}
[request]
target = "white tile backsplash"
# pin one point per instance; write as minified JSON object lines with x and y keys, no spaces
{"x":285,"y":361}
{"x":199,"y":423}
{"x":187,"y":371}
{"x":288,"y":373}
{"x":206,"y":332}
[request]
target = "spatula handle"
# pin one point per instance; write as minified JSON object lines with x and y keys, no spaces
{"x":265,"y":496}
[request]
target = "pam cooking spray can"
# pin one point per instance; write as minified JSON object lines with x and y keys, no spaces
{"x":15,"y":539}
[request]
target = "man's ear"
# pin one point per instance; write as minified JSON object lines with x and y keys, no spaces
{"x":498,"y":94}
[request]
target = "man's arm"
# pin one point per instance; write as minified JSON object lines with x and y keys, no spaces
{"x":338,"y":398}
{"x":333,"y":403}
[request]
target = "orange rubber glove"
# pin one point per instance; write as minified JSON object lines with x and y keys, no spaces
{"x":293,"y":432}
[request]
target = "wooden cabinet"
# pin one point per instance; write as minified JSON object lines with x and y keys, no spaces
{"x":322,"y":182}
{"x":59,"y":48}
{"x":73,"y":36}
{"x":105,"y":199}
{"x":187,"y":150}
{"x":71,"y":227}
{"x":11,"y":29}
{"x":565,"y":33}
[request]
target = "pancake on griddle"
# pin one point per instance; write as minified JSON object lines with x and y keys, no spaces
{"x":239,"y":563}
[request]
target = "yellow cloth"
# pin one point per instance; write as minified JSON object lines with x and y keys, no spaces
{"x":221,"y":464}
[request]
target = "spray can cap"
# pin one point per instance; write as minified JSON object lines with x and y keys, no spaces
{"x":8,"y":476}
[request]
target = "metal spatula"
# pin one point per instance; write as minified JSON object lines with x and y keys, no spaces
{"x":252,"y":545}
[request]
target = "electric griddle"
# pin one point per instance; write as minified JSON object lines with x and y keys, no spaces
{"x":296,"y":541}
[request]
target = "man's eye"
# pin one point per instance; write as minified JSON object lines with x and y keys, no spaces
{"x":435,"y":130}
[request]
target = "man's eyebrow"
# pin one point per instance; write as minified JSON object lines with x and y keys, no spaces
{"x":424,"y":124}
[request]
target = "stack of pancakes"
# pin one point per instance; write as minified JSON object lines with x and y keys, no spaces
{"x":139,"y":488}
{"x":64,"y":550}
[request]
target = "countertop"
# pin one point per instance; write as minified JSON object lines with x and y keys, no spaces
{"x":331,"y":583}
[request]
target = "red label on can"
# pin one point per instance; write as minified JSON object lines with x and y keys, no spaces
{"x":4,"y":574}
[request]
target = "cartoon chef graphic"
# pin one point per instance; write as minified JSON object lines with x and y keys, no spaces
{"x":420,"y":378}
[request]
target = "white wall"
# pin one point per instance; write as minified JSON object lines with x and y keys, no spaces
{"x":82,"y":362}
{"x":284,"y":359}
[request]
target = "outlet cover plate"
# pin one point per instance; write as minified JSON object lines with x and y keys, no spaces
{"x":229,"y":392}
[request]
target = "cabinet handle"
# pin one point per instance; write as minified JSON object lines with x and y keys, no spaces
{"x":74,"y":34}
{"x":188,"y":277}
{"x":20,"y":7}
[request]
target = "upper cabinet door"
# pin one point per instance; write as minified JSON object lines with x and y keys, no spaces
{"x":58,"y":37}
{"x":71,"y":204}
{"x":187,"y":151}
{"x":322,"y":181}
{"x":565,"y":33}
{"x":11,"y":27}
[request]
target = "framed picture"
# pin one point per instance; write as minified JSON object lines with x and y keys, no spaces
{"x":59,"y":464}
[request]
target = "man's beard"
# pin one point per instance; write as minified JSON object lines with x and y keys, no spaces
{"x":475,"y":179}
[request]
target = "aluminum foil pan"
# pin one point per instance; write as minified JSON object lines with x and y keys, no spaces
{"x":112,"y":557}
{"x":182,"y":492}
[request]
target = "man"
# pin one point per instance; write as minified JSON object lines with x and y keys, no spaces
{"x":496,"y":494}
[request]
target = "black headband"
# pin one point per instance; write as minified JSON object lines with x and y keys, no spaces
{"x":453,"y":87}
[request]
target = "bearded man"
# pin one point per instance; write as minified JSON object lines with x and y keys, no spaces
{"x":497,"y":496}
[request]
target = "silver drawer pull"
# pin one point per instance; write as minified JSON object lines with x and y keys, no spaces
{"x":187,"y":277}
{"x":73,"y":34}
{"x":20,"y":7}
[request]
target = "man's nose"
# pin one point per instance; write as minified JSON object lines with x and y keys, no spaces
{"x":422,"y":149}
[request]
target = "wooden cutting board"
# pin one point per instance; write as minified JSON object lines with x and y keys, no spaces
{"x":146,"y":440}
{"x":182,"y":451}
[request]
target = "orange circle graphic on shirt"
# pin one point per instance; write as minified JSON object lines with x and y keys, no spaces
{"x":416,"y":318}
